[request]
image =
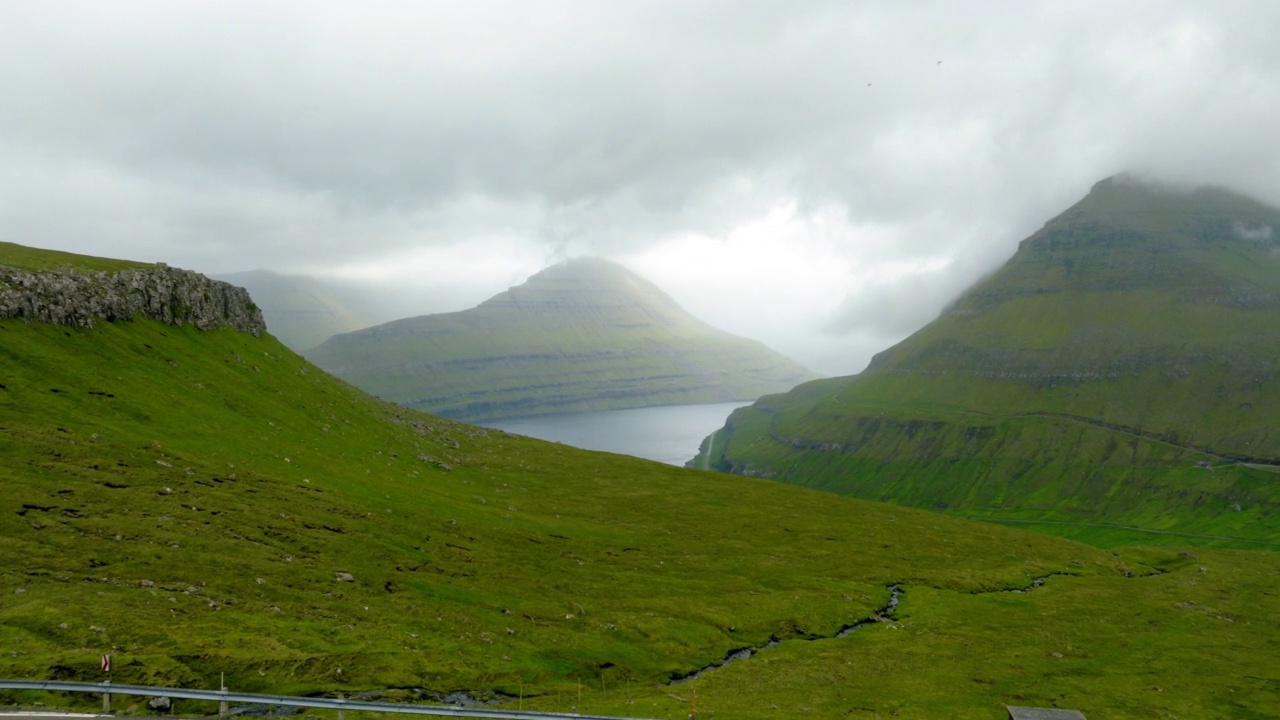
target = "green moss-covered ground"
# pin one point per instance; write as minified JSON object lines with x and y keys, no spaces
{"x":186,"y":500}
{"x":207,"y":503}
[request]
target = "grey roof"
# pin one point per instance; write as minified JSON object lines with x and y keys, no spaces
{"x":1026,"y":713}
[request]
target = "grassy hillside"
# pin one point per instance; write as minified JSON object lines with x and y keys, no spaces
{"x":1120,"y":369}
{"x":200,"y":502}
{"x":32,"y":259}
{"x":581,"y":335}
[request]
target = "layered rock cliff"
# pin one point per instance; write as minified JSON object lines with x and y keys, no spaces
{"x":170,"y":295}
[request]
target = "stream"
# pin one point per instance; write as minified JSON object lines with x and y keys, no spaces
{"x":884,"y":614}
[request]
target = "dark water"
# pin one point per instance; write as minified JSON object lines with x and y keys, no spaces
{"x":669,"y":434}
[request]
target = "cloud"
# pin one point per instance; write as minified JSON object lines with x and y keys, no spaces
{"x":1259,"y":234}
{"x":911,"y":143}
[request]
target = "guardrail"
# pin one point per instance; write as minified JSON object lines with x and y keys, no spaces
{"x":339,"y":704}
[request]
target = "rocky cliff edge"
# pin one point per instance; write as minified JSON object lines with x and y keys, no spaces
{"x":170,"y":295}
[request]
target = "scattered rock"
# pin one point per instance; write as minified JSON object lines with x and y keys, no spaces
{"x":345,"y":577}
{"x":160,"y":704}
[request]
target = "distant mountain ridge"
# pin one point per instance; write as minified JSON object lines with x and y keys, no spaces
{"x":585,"y":334}
{"x":300,"y":311}
{"x":1121,"y":367}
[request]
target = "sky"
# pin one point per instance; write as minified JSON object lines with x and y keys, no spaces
{"x":821,"y":176}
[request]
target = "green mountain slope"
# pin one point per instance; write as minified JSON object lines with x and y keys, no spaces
{"x":1120,"y":368}
{"x":199,"y":502}
{"x":585,"y":334}
{"x":301,"y":312}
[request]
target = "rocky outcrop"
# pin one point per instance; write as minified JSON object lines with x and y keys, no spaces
{"x":170,"y":295}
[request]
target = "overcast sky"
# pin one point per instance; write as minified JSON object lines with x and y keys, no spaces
{"x":822,"y":176}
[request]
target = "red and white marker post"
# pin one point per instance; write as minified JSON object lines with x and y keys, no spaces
{"x":106,"y":696}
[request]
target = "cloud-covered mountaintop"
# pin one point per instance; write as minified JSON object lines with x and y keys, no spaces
{"x":867,"y":160}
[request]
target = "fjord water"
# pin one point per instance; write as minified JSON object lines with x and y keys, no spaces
{"x":669,"y":433}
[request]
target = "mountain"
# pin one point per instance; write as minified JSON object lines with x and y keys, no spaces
{"x":1121,"y":368}
{"x":584,"y":334}
{"x":183,"y":492}
{"x":301,"y":312}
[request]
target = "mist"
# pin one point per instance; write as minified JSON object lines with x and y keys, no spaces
{"x":821,"y":176}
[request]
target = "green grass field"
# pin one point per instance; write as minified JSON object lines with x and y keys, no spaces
{"x":207,"y":502}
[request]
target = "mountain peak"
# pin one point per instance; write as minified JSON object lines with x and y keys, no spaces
{"x":1127,"y":348}
{"x":1130,"y":232}
{"x":1190,"y":212}
{"x":584,"y":334}
{"x":609,"y":292}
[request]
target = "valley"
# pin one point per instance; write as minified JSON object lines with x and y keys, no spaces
{"x":200,"y":502}
{"x":619,"y":360}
